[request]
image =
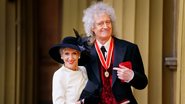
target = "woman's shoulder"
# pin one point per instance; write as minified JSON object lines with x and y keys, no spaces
{"x":82,"y":68}
{"x":61,"y":71}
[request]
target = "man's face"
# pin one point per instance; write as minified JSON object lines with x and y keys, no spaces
{"x":102,"y":27}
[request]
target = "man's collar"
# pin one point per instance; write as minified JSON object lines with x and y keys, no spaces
{"x":106,"y":45}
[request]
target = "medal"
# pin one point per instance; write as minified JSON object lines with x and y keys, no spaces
{"x":106,"y":74}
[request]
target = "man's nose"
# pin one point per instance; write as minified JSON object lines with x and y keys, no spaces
{"x":105,"y":25}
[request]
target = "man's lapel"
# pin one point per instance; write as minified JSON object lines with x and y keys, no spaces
{"x":95,"y":63}
{"x":119,"y":54}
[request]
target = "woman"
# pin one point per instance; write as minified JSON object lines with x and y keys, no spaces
{"x":70,"y":79}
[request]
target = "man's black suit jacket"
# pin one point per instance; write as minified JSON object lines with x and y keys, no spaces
{"x":123,"y":51}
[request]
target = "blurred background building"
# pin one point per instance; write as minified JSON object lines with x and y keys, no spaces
{"x":28,"y":28}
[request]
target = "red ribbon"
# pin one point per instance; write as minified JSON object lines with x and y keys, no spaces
{"x":105,"y":63}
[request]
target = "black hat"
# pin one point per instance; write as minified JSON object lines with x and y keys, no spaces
{"x":68,"y":42}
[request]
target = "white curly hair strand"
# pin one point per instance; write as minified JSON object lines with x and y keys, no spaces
{"x":96,"y":9}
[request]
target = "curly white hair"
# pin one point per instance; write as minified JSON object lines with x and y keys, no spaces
{"x":96,"y":9}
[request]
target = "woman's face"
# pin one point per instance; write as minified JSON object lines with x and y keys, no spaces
{"x":102,"y":27}
{"x":70,"y":57}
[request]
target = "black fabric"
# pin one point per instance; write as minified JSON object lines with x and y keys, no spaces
{"x":123,"y":51}
{"x":103,"y":50}
{"x":88,"y":94}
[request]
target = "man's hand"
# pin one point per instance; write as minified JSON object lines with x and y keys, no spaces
{"x":126,"y":102}
{"x":80,"y":101}
{"x":125,"y":74}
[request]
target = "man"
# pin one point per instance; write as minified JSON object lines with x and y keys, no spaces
{"x":114,"y":65}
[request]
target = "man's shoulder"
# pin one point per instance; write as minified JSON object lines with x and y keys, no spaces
{"x":123,"y":42}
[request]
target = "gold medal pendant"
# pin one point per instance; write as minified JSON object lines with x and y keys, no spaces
{"x":106,"y":74}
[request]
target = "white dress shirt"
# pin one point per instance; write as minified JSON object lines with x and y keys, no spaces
{"x":68,"y":85}
{"x":106,"y":45}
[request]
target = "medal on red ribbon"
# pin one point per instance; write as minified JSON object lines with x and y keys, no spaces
{"x":106,"y":73}
{"x":105,"y":63}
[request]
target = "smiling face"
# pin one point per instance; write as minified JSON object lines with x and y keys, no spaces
{"x":70,"y":57}
{"x":102,"y":27}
